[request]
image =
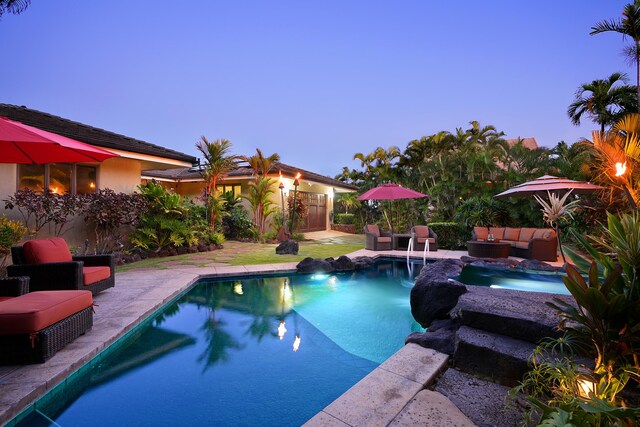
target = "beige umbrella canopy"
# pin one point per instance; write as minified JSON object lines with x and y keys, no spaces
{"x":549,"y":183}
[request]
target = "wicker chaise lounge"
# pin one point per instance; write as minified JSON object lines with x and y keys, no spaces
{"x":49,"y":265}
{"x":34,"y":326}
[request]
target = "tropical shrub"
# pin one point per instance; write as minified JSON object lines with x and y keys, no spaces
{"x":235,"y":221}
{"x":451,"y":235}
{"x":47,"y":208}
{"x":258,"y":193}
{"x":604,"y":327}
{"x":483,"y":211}
{"x":112,"y":216}
{"x":301,"y":211}
{"x":344,"y":218}
{"x":166,"y":222}
{"x":10,"y":233}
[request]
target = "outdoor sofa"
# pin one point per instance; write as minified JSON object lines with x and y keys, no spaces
{"x":420,"y":235}
{"x":34,"y":326}
{"x":376,"y":239}
{"x":531,"y":243}
{"x":50,"y":266}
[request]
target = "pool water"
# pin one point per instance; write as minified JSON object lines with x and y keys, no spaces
{"x":215,"y":357}
{"x":519,"y":280}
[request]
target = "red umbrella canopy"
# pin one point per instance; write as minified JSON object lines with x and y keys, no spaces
{"x":549,"y":183}
{"x":20,"y":143}
{"x":390,"y":192}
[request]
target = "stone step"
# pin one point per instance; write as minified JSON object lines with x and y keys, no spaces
{"x":517,"y":314}
{"x":502,"y":359}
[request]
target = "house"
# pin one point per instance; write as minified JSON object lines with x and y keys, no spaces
{"x":317,"y":191}
{"x":121,"y":174}
{"x":140,"y":161}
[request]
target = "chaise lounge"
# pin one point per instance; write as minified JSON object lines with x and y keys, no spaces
{"x":49,"y":265}
{"x":34,"y":326}
{"x":531,"y":243}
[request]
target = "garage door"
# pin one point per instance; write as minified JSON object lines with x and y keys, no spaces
{"x":317,"y":218}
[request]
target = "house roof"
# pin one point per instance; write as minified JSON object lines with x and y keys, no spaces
{"x":529,"y":143}
{"x":242,"y":171}
{"x":89,"y":134}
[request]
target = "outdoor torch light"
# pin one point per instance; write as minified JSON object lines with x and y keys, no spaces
{"x":284,"y":216}
{"x":296,"y":183}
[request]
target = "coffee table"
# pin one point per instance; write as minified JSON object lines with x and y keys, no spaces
{"x":484,"y":249}
{"x":401,"y":241}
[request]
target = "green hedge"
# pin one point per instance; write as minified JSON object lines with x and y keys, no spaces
{"x":344,"y":218}
{"x":451,"y":235}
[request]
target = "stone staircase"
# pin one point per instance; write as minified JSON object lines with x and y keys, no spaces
{"x":499,"y":330}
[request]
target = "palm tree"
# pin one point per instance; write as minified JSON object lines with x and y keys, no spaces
{"x":13,"y":6}
{"x":260,"y":164}
{"x":603,"y":101}
{"x":628,"y":26}
{"x":217,"y":164}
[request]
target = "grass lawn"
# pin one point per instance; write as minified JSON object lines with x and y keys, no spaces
{"x":241,"y":253}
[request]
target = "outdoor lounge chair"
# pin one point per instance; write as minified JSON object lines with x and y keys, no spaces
{"x":50,"y":266}
{"x":34,"y":326}
{"x":420,"y":235}
{"x":376,"y":239}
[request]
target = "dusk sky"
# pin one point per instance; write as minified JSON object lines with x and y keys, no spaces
{"x":314,"y":81}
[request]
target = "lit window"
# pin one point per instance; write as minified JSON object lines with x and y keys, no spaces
{"x":85,"y":179}
{"x":59,"y":177}
{"x":31,"y":177}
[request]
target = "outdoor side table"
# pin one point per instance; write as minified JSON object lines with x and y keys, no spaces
{"x":401,"y":242}
{"x":484,"y":249}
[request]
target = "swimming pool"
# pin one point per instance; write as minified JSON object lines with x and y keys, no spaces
{"x":519,"y":280}
{"x":223,"y":353}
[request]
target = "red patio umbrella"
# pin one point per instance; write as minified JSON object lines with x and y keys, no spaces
{"x":550,"y":183}
{"x":390,"y":192}
{"x":20,"y":143}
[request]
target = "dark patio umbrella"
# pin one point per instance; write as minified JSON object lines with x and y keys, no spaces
{"x":550,"y":183}
{"x":390,"y":192}
{"x":20,"y":143}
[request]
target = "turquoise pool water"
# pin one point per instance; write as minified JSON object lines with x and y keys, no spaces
{"x":215,"y":357}
{"x":519,"y":280}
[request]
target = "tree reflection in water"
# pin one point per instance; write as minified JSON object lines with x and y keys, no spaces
{"x":264,"y":299}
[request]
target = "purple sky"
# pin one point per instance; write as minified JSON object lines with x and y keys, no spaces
{"x":315,"y":82}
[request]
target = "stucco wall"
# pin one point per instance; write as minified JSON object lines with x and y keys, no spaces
{"x":119,"y":174}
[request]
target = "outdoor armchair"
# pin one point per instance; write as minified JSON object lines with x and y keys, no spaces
{"x":420,"y":235}
{"x":376,"y":239}
{"x":50,"y":266}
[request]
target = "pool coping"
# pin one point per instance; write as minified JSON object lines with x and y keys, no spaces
{"x":137,"y":295}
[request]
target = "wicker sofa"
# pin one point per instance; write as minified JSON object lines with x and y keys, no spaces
{"x":531,"y":243}
{"x":34,"y":326}
{"x":49,"y":265}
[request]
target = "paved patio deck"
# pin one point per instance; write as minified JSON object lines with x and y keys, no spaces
{"x":139,"y":293}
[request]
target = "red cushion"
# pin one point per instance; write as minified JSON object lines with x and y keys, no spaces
{"x":374,"y":229}
{"x":92,"y":275}
{"x":5,"y":298}
{"x":35,"y":311}
{"x":49,"y":250}
{"x":422,"y":231}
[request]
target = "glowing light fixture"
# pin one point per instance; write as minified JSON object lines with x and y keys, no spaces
{"x":318,"y":276}
{"x":621,"y":168}
{"x":586,"y":387}
{"x":92,"y":184}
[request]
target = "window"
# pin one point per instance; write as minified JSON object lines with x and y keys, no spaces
{"x":59,"y":177}
{"x":236,"y":189}
{"x":85,"y":179}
